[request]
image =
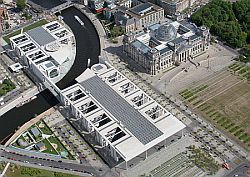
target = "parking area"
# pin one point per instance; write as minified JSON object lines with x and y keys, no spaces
{"x":21,"y":81}
{"x":72,"y":140}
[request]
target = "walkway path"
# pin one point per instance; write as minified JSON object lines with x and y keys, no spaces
{"x":29,"y":124}
{"x":5,"y":169}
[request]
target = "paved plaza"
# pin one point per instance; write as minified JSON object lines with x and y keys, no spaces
{"x":173,"y":81}
{"x":158,"y":158}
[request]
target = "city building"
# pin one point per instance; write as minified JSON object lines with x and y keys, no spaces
{"x":3,"y":17}
{"x":173,"y":6}
{"x":122,"y":118}
{"x":47,"y":49}
{"x":96,"y":6}
{"x":160,"y":46}
{"x":41,"y":146}
{"x":139,"y":16}
{"x":124,"y":3}
{"x":35,"y":131}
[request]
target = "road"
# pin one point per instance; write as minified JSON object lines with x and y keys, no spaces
{"x":242,"y":170}
{"x":37,"y":160}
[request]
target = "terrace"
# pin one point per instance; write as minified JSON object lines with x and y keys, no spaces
{"x":21,"y":39}
{"x":140,"y":99}
{"x":28,"y":47}
{"x":101,"y":120}
{"x":114,"y":77}
{"x":115,"y":134}
{"x":87,"y":107}
{"x":76,"y":95}
{"x":155,"y":112}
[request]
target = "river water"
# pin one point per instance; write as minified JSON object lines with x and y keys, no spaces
{"x":88,"y":46}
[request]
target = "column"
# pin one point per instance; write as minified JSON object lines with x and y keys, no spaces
{"x":146,"y":154}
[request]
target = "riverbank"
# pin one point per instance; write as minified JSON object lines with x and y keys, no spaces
{"x":29,"y":124}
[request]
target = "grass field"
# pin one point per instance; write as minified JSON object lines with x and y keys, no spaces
{"x":224,"y":100}
{"x":49,"y":148}
{"x":20,"y":171}
{"x":34,"y":25}
{"x":60,"y":146}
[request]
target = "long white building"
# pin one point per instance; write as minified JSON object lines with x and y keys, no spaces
{"x":48,"y":49}
{"x":125,"y":120}
{"x":122,"y":118}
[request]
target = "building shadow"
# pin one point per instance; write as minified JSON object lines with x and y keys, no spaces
{"x":121,"y":56}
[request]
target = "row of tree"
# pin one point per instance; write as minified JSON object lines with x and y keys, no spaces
{"x":6,"y":86}
{"x":230,"y":22}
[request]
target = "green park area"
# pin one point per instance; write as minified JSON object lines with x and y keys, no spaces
{"x":43,"y":136}
{"x":44,"y":128}
{"x":49,"y":148}
{"x":21,"y":171}
{"x":6,"y":86}
{"x":113,"y":30}
{"x":203,"y":160}
{"x":27,"y":28}
{"x":60,"y":148}
{"x":240,"y":69}
{"x":229,"y":22}
{"x":224,"y":100}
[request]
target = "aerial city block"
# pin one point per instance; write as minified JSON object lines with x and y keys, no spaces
{"x":125,"y":88}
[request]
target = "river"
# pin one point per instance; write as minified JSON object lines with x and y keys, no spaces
{"x":88,"y":46}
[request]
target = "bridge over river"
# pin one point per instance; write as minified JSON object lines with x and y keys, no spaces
{"x":86,"y":39}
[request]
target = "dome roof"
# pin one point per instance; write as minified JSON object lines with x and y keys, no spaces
{"x":166,"y":33}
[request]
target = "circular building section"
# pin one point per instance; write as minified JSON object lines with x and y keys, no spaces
{"x":165,"y":33}
{"x":99,"y":68}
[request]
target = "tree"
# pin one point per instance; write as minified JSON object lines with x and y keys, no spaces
{"x":229,"y":22}
{"x":21,"y":4}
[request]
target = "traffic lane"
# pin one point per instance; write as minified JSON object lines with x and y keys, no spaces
{"x":242,"y":170}
{"x":48,"y":163}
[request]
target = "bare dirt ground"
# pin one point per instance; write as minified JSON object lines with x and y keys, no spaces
{"x":224,"y":100}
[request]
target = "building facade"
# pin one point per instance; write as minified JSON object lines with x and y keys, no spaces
{"x":3,"y":17}
{"x":161,"y":46}
{"x":45,"y":49}
{"x":173,"y":6}
{"x":117,"y":113}
{"x":139,"y":16}
{"x":96,"y":6}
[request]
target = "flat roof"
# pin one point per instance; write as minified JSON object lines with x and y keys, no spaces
{"x":16,"y":67}
{"x":131,"y":118}
{"x":141,"y":8}
{"x":109,"y":99}
{"x":41,"y":36}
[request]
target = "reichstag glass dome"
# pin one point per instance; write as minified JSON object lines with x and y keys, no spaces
{"x":165,"y":33}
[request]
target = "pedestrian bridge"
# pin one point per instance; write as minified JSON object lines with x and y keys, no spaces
{"x":61,"y":7}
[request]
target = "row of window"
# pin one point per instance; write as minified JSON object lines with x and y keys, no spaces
{"x":152,"y":18}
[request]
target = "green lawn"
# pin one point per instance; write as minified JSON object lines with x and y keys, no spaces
{"x":60,"y":146}
{"x":45,"y":130}
{"x":20,"y":171}
{"x":34,"y":25}
{"x":16,"y":144}
{"x":50,"y":149}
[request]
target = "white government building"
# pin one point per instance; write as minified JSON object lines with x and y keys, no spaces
{"x":49,"y":49}
{"x":124,"y":120}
